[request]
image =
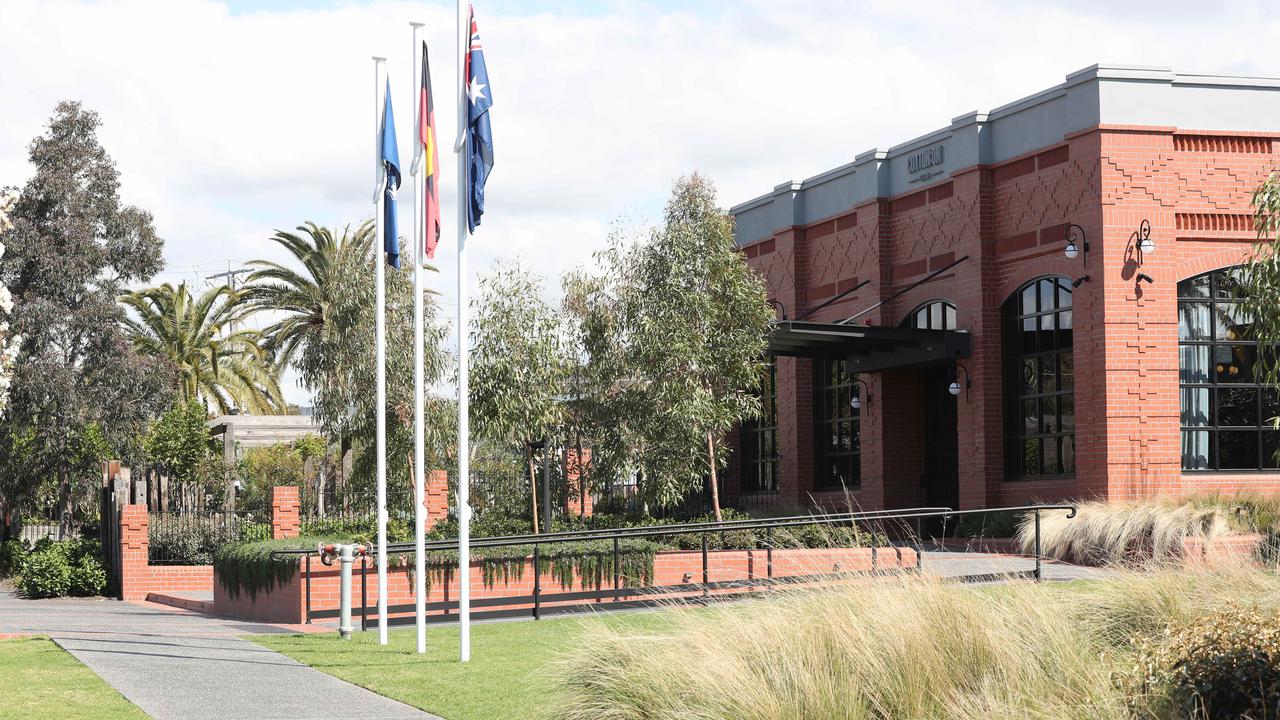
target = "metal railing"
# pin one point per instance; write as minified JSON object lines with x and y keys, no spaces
{"x":906,"y":523}
{"x":191,"y":538}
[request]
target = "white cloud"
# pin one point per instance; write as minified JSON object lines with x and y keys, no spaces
{"x":228,"y":126}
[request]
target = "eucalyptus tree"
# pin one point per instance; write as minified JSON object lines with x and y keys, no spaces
{"x":72,"y":250}
{"x":218,"y":359}
{"x":682,"y":325}
{"x":1259,"y":287}
{"x":519,"y":366}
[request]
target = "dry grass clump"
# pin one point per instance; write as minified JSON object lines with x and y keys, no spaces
{"x":913,"y":648}
{"x":1136,"y":533}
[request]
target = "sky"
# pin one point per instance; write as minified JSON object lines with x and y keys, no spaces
{"x":230,"y":119}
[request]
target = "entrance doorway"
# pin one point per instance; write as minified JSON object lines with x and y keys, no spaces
{"x":941,"y":445}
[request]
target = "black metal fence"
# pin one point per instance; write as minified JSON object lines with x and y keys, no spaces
{"x":902,"y":527}
{"x":192,"y":538}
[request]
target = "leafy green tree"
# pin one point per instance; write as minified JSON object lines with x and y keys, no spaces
{"x":682,"y":324}
{"x":219,"y":362}
{"x":327,"y":333}
{"x":71,"y":251}
{"x":179,"y":440}
{"x":519,"y":365}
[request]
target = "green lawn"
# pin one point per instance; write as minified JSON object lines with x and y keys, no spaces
{"x":510,"y":674}
{"x":43,"y":681}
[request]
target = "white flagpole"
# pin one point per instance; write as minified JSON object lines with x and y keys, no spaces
{"x":464,"y":440}
{"x":380,"y":344}
{"x":419,"y":450}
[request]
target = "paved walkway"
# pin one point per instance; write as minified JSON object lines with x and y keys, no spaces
{"x":956,"y":564}
{"x":180,"y":665}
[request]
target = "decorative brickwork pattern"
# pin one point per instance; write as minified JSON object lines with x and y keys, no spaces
{"x":286,"y":522}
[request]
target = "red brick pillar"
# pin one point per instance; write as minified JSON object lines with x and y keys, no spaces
{"x":135,"y":574}
{"x":285,"y":521}
{"x":579,"y":500}
{"x":436,"y":497}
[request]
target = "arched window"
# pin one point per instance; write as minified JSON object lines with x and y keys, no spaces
{"x":933,"y":315}
{"x":1039,"y":372}
{"x":1225,"y":408}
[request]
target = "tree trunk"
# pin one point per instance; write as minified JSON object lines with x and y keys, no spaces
{"x":533,"y":485}
{"x":715,"y":487}
{"x":64,"y":501}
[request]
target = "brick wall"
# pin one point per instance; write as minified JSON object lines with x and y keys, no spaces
{"x":138,"y":576}
{"x":285,"y":519}
{"x":1010,"y":220}
{"x":286,"y":603}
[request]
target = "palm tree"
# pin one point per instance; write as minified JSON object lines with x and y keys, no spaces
{"x":218,"y":362}
{"x":307,"y":297}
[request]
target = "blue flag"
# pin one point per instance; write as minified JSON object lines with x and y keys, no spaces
{"x":480,"y":139}
{"x":390,"y":155}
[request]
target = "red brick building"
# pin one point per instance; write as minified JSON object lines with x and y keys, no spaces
{"x":1119,"y":372}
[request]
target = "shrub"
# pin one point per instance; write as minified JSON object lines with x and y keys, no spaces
{"x":12,"y":553}
{"x":1220,"y":666}
{"x":248,"y":567}
{"x":88,"y":576}
{"x":182,"y":541}
{"x":45,"y":573}
{"x":1104,"y":533}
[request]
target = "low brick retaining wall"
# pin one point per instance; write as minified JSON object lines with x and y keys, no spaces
{"x":287,"y":603}
{"x":138,"y":577}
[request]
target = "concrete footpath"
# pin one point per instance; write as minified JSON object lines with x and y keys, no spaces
{"x":176,"y":665}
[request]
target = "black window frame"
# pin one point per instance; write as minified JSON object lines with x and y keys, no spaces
{"x":1051,"y":391}
{"x":834,"y":418}
{"x":759,"y":471}
{"x":944,"y":318}
{"x":1229,"y":369}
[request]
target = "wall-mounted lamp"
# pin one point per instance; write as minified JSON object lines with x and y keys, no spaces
{"x":1141,"y":238}
{"x":855,"y":402}
{"x":1077,"y":242}
{"x":780,"y":306}
{"x":954,"y":388}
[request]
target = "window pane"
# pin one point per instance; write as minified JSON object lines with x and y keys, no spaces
{"x":1028,"y":300}
{"x":1067,"y":413}
{"x":1030,"y":417}
{"x":1193,"y":364}
{"x":1270,"y":405}
{"x":1046,"y":338}
{"x":1238,"y":449}
{"x":949,"y":318}
{"x":1066,"y":371}
{"x":1048,"y":374}
{"x":1048,"y":288}
{"x":1196,"y":449}
{"x":1226,"y":285}
{"x":1238,"y":406}
{"x":1049,"y":415}
{"x":1196,"y":287}
{"x":1235,"y":363}
{"x":1029,"y":376}
{"x":1270,"y":449}
{"x":1030,"y":456}
{"x":1195,"y":407}
{"x":1028,"y":336}
{"x":1050,"y":446}
{"x":1064,"y":293}
{"x":922,"y":319}
{"x":1193,"y":321}
{"x":935,"y":316}
{"x":1068,"y":457}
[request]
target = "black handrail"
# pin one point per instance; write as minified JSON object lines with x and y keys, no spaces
{"x":700,"y":528}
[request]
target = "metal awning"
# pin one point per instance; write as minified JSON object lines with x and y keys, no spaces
{"x":867,"y":349}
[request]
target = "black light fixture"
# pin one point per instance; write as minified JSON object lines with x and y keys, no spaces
{"x":1077,"y":242}
{"x":954,"y":388}
{"x":855,"y":402}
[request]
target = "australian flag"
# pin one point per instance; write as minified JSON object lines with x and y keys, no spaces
{"x":480,"y":138}
{"x":390,"y":155}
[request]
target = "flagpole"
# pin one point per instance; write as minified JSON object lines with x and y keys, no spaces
{"x":419,"y":451}
{"x":464,"y":441}
{"x":380,"y":350}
